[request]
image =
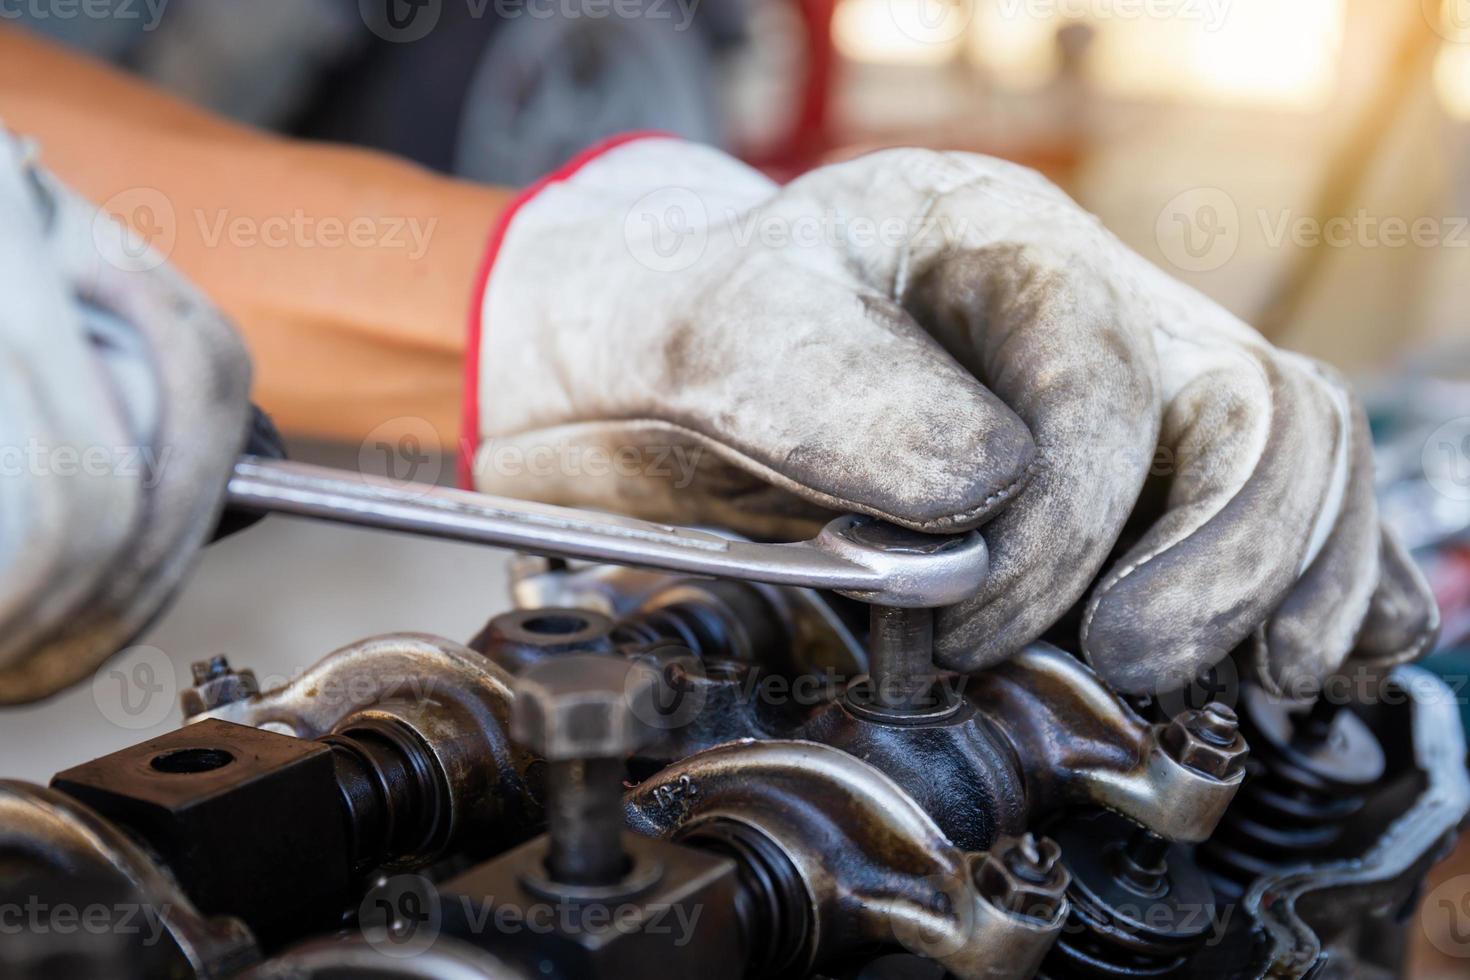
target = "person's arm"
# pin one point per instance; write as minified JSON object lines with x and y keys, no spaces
{"x":349,"y":273}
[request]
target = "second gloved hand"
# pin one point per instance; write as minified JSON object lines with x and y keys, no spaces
{"x":125,"y":407}
{"x":942,"y":340}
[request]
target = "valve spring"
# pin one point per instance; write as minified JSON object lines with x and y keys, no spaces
{"x":396,"y":797}
{"x":1311,"y":773}
{"x":1140,"y":907}
{"x":1082,"y":952}
{"x":698,"y":626}
{"x":770,"y":904}
{"x":1283,"y":815}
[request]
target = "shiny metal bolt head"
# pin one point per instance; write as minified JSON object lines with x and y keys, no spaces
{"x":1207,"y":740}
{"x":216,"y":684}
{"x":1024,"y":875}
{"x":584,"y":706}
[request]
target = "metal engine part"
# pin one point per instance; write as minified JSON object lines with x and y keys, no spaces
{"x":640,"y":772}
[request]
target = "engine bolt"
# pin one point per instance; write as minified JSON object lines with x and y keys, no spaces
{"x":1025,"y":876}
{"x":1142,"y":863}
{"x":1207,"y":740}
{"x":1315,"y":725}
{"x":901,"y":668}
{"x":216,"y":684}
{"x":1218,"y":722}
{"x":584,"y":714}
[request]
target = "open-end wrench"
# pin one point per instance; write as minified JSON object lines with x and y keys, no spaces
{"x":859,"y":557}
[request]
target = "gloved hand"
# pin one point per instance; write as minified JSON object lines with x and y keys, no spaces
{"x":942,"y":340}
{"x":125,"y":405}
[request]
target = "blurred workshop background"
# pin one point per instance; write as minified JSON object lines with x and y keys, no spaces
{"x":1305,"y":162}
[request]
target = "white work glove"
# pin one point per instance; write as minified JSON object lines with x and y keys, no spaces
{"x":123,"y":405}
{"x":942,"y":340}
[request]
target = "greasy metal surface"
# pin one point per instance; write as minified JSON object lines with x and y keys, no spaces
{"x":584,"y":706}
{"x":876,"y":868}
{"x":194,"y":797}
{"x":619,"y":931}
{"x":1140,"y":906}
{"x":959,"y":769}
{"x":585,"y":714}
{"x":354,"y":956}
{"x":64,"y":834}
{"x":1406,"y":846}
{"x":890,"y":830}
{"x":455,"y":700}
{"x":897,"y":568}
{"x":1207,"y":740}
{"x":820,"y":639}
{"x":1079,"y":744}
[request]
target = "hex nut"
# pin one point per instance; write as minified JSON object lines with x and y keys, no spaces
{"x":1024,"y":875}
{"x":217,"y":684}
{"x":1207,"y":740}
{"x":584,"y":707}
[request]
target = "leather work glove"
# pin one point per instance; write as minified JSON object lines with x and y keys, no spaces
{"x":125,"y":406}
{"x":944,"y":341}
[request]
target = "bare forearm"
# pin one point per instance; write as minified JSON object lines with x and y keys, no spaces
{"x":349,"y":273}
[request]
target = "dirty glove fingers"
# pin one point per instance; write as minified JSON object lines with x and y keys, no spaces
{"x":1403,"y":618}
{"x":59,"y":508}
{"x":1055,"y":340}
{"x":873,"y":417}
{"x":1311,"y":633}
{"x":648,"y":469}
{"x":181,"y":378}
{"x":787,"y":369}
{"x":1256,"y":482}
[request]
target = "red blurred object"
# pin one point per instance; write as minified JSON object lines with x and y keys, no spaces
{"x":1449,"y":575}
{"x":811,"y":138}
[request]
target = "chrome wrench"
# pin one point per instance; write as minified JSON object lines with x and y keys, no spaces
{"x":860,"y":557}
